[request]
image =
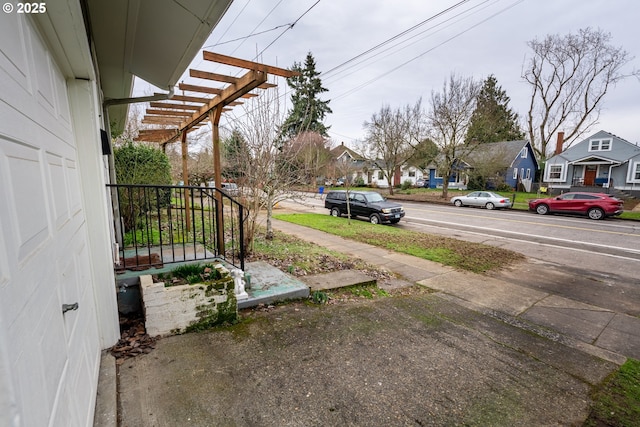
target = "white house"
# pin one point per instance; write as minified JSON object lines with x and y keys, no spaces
{"x":58,"y":65}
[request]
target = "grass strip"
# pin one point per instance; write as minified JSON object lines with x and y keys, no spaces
{"x":474,"y":257}
{"x":617,"y":401}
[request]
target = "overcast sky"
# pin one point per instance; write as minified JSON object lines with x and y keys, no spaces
{"x":475,"y":39}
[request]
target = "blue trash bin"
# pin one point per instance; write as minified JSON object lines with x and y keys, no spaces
{"x":320,"y":191}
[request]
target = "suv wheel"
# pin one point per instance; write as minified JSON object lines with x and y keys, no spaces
{"x":542,"y":209}
{"x":595,"y":213}
{"x":374,"y":219}
{"x":335,"y":212}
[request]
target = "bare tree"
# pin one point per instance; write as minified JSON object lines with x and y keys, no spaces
{"x":345,"y":167}
{"x":449,"y":118}
{"x":569,"y":76}
{"x":313,"y":155}
{"x":392,"y":137}
{"x":263,"y":161}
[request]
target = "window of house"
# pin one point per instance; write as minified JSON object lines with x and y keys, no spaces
{"x":523,"y":154}
{"x":521,"y":172}
{"x":380,"y":175}
{"x":528,"y":173}
{"x":555,"y":172}
{"x":412,"y":174}
{"x":600,"y":145}
{"x":636,"y":173}
{"x":515,"y":173}
{"x":436,"y":174}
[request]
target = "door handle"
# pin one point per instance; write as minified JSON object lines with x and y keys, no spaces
{"x":69,"y":307}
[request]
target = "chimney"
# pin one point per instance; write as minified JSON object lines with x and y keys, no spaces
{"x":559,"y":143}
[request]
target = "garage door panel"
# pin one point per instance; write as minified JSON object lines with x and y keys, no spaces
{"x":43,"y":75}
{"x":30,"y":385}
{"x":75,"y":198}
{"x":54,"y":360}
{"x":26,"y":196}
{"x":58,"y":190}
{"x":62,"y":101}
{"x":13,"y":54}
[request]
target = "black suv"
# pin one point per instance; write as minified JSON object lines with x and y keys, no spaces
{"x":364,"y":203}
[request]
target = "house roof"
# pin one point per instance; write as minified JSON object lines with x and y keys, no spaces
{"x":341,"y":149}
{"x":504,"y":151}
{"x":621,"y":150}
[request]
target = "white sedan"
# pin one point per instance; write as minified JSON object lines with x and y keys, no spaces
{"x":485,"y":199}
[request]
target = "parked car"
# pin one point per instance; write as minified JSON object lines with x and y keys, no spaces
{"x":486,"y":199}
{"x":593,"y":205}
{"x":231,"y":188}
{"x":367,"y":204}
{"x":422,"y":183}
{"x":340,"y":182}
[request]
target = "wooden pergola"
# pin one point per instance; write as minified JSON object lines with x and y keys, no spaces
{"x":182,"y":114}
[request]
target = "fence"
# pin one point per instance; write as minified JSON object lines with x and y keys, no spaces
{"x":157,"y":225}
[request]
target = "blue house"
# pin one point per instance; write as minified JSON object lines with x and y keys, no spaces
{"x":602,"y":162}
{"x":510,"y":162}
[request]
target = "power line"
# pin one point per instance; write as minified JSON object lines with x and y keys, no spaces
{"x":397,"y":36}
{"x":367,"y":83}
{"x":406,"y":45}
{"x":287,"y":29}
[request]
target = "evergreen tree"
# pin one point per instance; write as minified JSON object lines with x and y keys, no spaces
{"x":493,"y":120}
{"x":234,"y":148}
{"x":308,"y":112}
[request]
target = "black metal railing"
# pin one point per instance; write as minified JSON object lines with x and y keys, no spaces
{"x":157,"y":225}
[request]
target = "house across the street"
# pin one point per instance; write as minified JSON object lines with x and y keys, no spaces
{"x":602,"y":162}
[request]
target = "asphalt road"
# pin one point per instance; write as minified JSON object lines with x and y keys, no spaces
{"x":601,"y":247}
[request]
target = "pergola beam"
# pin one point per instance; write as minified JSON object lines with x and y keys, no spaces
{"x":174,"y":106}
{"x":241,"y":63}
{"x":201,"y":89}
{"x":213,"y":76}
{"x":196,"y":99}
{"x":249,"y":81}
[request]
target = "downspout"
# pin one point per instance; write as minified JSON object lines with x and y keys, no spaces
{"x":155,"y":97}
{"x":111,"y":164}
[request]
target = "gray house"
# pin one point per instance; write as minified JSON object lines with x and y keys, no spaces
{"x":602,"y":162}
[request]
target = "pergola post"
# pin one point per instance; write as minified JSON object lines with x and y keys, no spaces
{"x":214,"y":118}
{"x":185,"y":180}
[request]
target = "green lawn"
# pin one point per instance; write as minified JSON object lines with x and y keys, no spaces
{"x":616,"y":402}
{"x":468,"y":256}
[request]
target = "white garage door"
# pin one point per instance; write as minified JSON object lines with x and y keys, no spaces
{"x":51,"y":358}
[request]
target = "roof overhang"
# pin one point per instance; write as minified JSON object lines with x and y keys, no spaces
{"x":594,"y":160}
{"x":154,"y":40}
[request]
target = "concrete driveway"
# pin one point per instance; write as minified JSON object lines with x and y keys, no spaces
{"x":413,"y":359}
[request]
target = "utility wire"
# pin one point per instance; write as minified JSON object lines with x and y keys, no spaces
{"x":405,"y":42}
{"x":287,"y":29}
{"x":397,"y":36}
{"x":367,"y":83}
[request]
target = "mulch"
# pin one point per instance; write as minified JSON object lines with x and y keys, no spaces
{"x":133,"y":341}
